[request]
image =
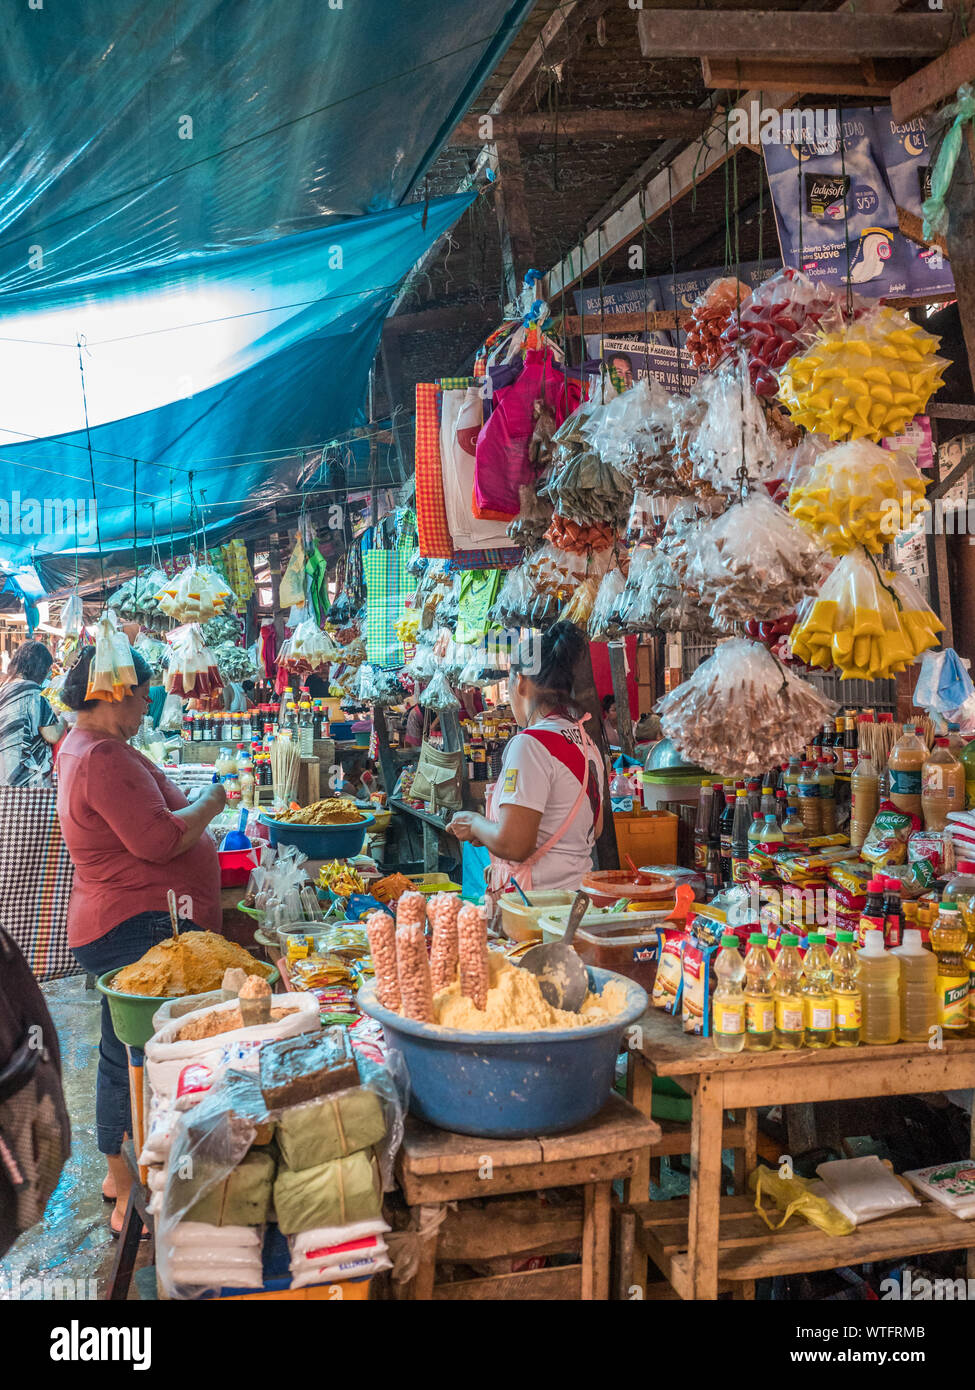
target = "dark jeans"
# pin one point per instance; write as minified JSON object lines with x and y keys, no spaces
{"x":124,"y":944}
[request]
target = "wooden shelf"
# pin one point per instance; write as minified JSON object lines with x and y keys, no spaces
{"x":424,"y":816}
{"x":748,"y":1250}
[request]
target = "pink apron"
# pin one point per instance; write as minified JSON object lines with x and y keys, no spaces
{"x":502,"y":871}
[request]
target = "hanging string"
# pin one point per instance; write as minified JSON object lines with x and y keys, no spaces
{"x":846,"y":213}
{"x":727,"y":200}
{"x":135,"y":528}
{"x":673,"y":282}
{"x":742,"y":466}
{"x":203,"y":526}
{"x":761,"y":195}
{"x":643,"y":252}
{"x":172,"y":528}
{"x":91,"y":463}
{"x":802,"y":256}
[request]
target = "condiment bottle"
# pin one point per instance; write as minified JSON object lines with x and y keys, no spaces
{"x":792,"y":827}
{"x":960,"y":890}
{"x":968,"y":763}
{"x":727,"y":821}
{"x":865,"y":799}
{"x":872,"y":915}
{"x":826,"y":782}
{"x":904,"y":769}
{"x":879,"y":980}
{"x":768,"y":802}
{"x":846,"y":991}
{"x":817,"y":989}
{"x":850,"y":742}
{"x":728,"y":1010}
{"x":790,"y":780}
{"x":893,"y":913}
{"x":771,"y":833}
{"x":942,"y":785}
{"x":809,"y":808}
{"x":919,"y":1000}
{"x":759,"y":1001}
{"x":949,"y":940}
{"x":701,"y":826}
{"x":755,"y":829}
{"x":739,"y":838}
{"x":789,"y":1005}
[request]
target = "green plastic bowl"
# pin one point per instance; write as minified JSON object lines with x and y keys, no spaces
{"x":132,"y":1013}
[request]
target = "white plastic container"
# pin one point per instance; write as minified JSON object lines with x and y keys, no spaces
{"x":520,"y":922}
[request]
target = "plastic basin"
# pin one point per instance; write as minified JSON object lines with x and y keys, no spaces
{"x":132,"y":1013}
{"x":509,"y":1085}
{"x":321,"y":841}
{"x":521,"y":922}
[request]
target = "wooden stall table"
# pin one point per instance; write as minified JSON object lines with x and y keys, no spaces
{"x":435,"y":1167}
{"x":707,"y":1241}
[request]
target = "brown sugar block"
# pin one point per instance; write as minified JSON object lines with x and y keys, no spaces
{"x":314,"y":1064}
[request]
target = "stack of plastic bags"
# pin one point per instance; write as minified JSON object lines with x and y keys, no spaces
{"x":734,"y":436}
{"x":867,"y":622}
{"x":711,"y":314}
{"x":779,"y":311}
{"x":192,"y":671}
{"x":111,"y":675}
{"x":308,"y":649}
{"x":195,"y":595}
{"x":858,"y":494}
{"x":741,"y":687}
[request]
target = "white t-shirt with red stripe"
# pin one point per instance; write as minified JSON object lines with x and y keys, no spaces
{"x":534,"y":777}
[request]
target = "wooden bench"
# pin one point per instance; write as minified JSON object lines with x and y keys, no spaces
{"x":435,"y":1167}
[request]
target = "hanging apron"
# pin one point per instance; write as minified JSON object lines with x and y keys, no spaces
{"x":502,"y":871}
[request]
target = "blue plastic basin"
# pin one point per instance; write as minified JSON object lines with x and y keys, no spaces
{"x":321,"y":841}
{"x":509,"y":1085}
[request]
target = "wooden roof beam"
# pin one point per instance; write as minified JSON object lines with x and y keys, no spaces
{"x":935,"y":83}
{"x":644,"y":124}
{"x":793,"y":35}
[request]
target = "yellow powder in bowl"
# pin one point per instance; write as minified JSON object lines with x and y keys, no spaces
{"x":515,"y":1003}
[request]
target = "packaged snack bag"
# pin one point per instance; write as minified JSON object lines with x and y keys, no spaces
{"x":886,"y":841}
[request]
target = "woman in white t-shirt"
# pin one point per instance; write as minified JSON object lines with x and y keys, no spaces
{"x":545,"y":810}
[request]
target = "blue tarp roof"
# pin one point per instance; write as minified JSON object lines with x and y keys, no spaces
{"x":210,"y":195}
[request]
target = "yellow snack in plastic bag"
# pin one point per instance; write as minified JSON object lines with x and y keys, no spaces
{"x":796,"y":1196}
{"x":858,"y":494}
{"x":851,"y":383}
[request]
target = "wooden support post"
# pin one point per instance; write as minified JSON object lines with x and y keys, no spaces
{"x":387,"y":765}
{"x":584,"y":690}
{"x":961,"y":240}
{"x":517,"y":243}
{"x":624,"y":720}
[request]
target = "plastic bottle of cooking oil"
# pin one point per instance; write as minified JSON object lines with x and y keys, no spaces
{"x":728,"y":1012}
{"x":879,"y":979}
{"x":948,"y":941}
{"x":759,"y":1001}
{"x":919,"y":1000}
{"x":846,"y":991}
{"x":817,"y":989}
{"x":789,"y":1004}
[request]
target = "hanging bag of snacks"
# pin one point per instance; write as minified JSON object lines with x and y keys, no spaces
{"x":111,"y":675}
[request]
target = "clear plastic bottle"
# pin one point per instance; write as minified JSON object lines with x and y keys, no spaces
{"x":701,"y":825}
{"x":755,"y":829}
{"x":967,"y":758}
{"x":942,"y":786}
{"x":819,"y":1006}
{"x":790,"y":780}
{"x":846,"y":991}
{"x":879,"y":980}
{"x":767,"y":805}
{"x":759,"y":997}
{"x":948,"y":941}
{"x":960,"y":890}
{"x":865,"y":799}
{"x":771,"y":833}
{"x":919,"y":1002}
{"x":826,"y":782}
{"x":728,"y":1007}
{"x":792,"y":827}
{"x":904,"y":765}
{"x":809,"y":807}
{"x":790,"y":1027}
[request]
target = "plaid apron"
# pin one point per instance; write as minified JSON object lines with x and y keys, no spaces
{"x":36,"y":874}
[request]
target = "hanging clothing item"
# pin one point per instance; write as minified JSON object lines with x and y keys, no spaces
{"x":431,"y":511}
{"x":269,"y":649}
{"x":460,"y":424}
{"x":478,"y":590}
{"x":503,"y":465}
{"x":387,"y":585}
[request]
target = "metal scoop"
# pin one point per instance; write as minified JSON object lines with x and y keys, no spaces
{"x":561,"y":974}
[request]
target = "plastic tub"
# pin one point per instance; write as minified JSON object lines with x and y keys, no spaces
{"x":607,"y":886}
{"x":236,"y":866}
{"x":646,"y":835}
{"x":520,"y":922}
{"x":509,"y":1085}
{"x":321,"y":841}
{"x":625,"y":943}
{"x":132,"y":1013}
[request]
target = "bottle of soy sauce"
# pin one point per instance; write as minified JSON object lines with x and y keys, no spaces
{"x":726,"y":828}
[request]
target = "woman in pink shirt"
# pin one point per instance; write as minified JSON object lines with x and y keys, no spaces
{"x":132,"y":835}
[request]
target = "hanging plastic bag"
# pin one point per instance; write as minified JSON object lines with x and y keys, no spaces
{"x":195,"y":595}
{"x":943,"y":683}
{"x":603,"y":626}
{"x":292,"y":591}
{"x":734,"y":433}
{"x":72,"y":616}
{"x":858,"y":494}
{"x":111,"y":675}
{"x":192,"y":669}
{"x":438,"y":694}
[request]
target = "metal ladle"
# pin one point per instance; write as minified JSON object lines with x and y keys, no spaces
{"x":561,"y":973}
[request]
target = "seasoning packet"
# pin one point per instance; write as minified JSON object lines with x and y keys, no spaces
{"x":669,"y":978}
{"x":696,"y":989}
{"x":886,"y":841}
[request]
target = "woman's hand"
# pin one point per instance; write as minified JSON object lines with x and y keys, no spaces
{"x":462,"y":825}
